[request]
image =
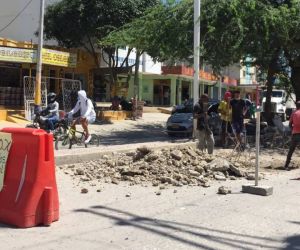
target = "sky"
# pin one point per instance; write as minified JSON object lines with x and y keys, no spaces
{"x":24,"y":27}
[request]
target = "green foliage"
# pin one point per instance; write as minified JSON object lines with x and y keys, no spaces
{"x":230,"y":31}
{"x":165,"y":32}
{"x":75,"y":23}
{"x":252,"y":28}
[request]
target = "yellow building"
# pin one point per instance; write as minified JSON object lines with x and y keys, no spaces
{"x":18,"y":59}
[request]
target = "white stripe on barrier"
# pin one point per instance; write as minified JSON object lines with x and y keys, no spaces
{"x":22,"y":179}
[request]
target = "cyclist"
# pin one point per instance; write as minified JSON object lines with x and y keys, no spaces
{"x":51,"y":112}
{"x":87,"y":114}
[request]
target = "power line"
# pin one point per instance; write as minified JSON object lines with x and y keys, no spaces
{"x":6,"y":26}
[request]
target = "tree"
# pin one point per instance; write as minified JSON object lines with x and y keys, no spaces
{"x":81,"y":23}
{"x":256,"y":29}
{"x":231,"y":31}
{"x":165,"y":32}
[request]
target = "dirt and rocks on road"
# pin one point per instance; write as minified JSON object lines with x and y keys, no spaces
{"x":162,"y":168}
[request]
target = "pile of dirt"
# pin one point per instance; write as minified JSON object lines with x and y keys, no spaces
{"x":166,"y":167}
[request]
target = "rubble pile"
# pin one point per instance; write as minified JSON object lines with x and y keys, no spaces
{"x":174,"y":167}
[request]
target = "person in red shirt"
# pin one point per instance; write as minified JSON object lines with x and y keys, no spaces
{"x":295,"y":126}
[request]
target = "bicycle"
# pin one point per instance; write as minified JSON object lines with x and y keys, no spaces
{"x":69,"y":138}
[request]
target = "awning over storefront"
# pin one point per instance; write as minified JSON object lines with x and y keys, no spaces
{"x":50,"y":57}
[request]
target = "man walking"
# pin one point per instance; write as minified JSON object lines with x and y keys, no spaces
{"x":203,"y":133}
{"x":239,"y":110}
{"x":225,"y":111}
{"x":295,"y":126}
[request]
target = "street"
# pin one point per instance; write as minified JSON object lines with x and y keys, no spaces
{"x":191,"y":218}
{"x":125,"y":135}
{"x":187,"y":118}
{"x":130,"y":217}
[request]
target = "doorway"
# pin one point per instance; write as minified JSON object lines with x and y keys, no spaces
{"x":162,"y":92}
{"x":185,"y":91}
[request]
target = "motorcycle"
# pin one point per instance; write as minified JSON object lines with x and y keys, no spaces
{"x":40,"y":122}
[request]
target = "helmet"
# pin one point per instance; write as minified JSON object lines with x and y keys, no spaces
{"x":51,"y":97}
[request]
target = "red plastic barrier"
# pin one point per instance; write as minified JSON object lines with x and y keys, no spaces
{"x":29,"y":196}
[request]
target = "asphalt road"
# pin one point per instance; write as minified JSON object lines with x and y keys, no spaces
{"x":124,"y":135}
{"x":191,"y":218}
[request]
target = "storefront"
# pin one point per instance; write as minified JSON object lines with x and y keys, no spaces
{"x":10,"y":84}
{"x":18,"y":59}
{"x":177,"y":82}
{"x":104,"y":90}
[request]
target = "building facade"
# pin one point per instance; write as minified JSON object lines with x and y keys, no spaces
{"x":18,"y":61}
{"x":158,"y":85}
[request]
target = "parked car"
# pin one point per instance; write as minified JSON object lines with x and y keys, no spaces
{"x":181,"y":120}
{"x":187,"y":107}
{"x":180,"y":124}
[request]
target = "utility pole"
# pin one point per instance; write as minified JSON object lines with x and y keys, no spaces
{"x":37,"y":98}
{"x":220,"y":89}
{"x":197,"y":4}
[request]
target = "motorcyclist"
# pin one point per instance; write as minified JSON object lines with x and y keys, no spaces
{"x":51,"y":113}
{"x":87,"y":114}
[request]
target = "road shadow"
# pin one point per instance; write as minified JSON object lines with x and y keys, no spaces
{"x":103,"y":122}
{"x":186,"y":234}
{"x":2,"y":225}
{"x":292,"y":243}
{"x":139,"y":134}
{"x":295,"y":179}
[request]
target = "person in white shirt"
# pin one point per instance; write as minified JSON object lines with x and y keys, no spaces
{"x":87,"y":114}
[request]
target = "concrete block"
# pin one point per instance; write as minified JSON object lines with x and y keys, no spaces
{"x":3,"y":115}
{"x":258,"y":190}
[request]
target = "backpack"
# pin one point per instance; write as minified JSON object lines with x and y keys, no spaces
{"x":93,"y":102}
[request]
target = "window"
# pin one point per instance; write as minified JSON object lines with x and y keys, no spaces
{"x":10,"y":77}
{"x":275,"y":93}
{"x":69,"y":75}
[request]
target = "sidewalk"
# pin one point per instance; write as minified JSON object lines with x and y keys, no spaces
{"x":191,"y":218}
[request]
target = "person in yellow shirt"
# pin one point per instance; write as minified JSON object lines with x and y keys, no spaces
{"x":226,"y":112}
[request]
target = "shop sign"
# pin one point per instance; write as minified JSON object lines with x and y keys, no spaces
{"x":59,"y":58}
{"x":17,"y":55}
{"x":50,"y":57}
